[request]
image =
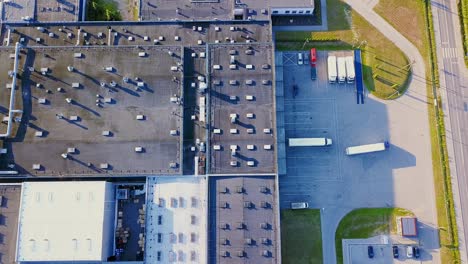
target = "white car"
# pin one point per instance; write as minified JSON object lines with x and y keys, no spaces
{"x":300,"y":58}
{"x":409,"y":251}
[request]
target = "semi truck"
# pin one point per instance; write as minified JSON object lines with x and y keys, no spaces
{"x":309,"y":142}
{"x":332,"y":69}
{"x":362,"y":149}
{"x":350,"y":74}
{"x":341,"y":70}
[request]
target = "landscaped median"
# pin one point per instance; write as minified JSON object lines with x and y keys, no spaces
{"x":386,"y":70}
{"x":301,"y":237}
{"x":463,"y":10}
{"x":365,"y":223}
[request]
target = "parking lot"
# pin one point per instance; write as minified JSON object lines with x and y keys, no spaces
{"x":356,"y":251}
{"x":97,"y":112}
{"x":328,"y":179}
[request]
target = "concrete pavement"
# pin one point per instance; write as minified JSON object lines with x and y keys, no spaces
{"x":453,"y":78}
{"x":403,"y":115}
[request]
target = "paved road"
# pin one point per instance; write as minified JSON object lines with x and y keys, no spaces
{"x":453,"y":80}
{"x":414,"y":105}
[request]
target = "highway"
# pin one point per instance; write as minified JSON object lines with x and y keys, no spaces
{"x":454,"y":92}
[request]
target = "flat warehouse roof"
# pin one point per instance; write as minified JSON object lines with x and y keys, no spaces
{"x":212,"y":9}
{"x":187,"y":33}
{"x":242,"y":111}
{"x":176,"y":224}
{"x":9,"y":207}
{"x":243,"y":220}
{"x":40,"y":10}
{"x":100,"y":110}
{"x":62,"y":221}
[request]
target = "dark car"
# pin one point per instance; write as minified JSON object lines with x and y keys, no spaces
{"x":370,"y":251}
{"x":395,"y":252}
{"x":416,"y":252}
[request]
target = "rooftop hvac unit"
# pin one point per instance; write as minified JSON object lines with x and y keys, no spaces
{"x":42,"y":100}
{"x":264,"y":225}
{"x":217,"y":29}
{"x":140,"y":84}
{"x":265,"y":66}
{"x":250,"y":131}
{"x":193,"y":237}
{"x":248,"y":205}
{"x":224,"y":226}
{"x":224,"y":205}
{"x":240,"y":253}
{"x":265,"y":241}
{"x":267,"y":147}
{"x":249,"y":67}
{"x":233,"y":66}
{"x":36,"y":166}
{"x":217,"y":82}
{"x":146,"y":38}
{"x":225,"y":241}
{"x":174,"y":132}
{"x":106,"y":133}
{"x":249,"y":52}
{"x":174,"y":68}
{"x":265,"y":82}
{"x":240,"y":225}
{"x":203,"y":86}
{"x":39,"y":134}
{"x":200,"y":42}
{"x":249,"y":241}
{"x":266,"y":253}
{"x":249,"y":82}
{"x":75,"y":85}
{"x":224,"y":190}
{"x":194,"y":55}
{"x":233,"y":98}
{"x":233,"y":131}
{"x":140,"y":117}
{"x":251,"y":147}
{"x":251,"y":163}
{"x":155,"y":41}
{"x":249,"y":97}
{"x":267,"y":131}
{"x":141,"y":54}
{"x":176,"y":38}
{"x":104,"y":166}
{"x":173,"y":165}
{"x":216,"y":147}
{"x":224,"y":254}
{"x":265,"y":204}
{"x":109,"y":69}
{"x":139,"y":149}
{"x":239,"y":189}
{"x":41,"y":29}
{"x":161,"y":38}
{"x":74,"y":118}
{"x":71,"y":150}
{"x":70,"y":68}
{"x":202,"y":54}
{"x":217,"y":67}
{"x":217,"y":131}
{"x":38,"y":40}
{"x":249,"y":115}
{"x":232,"y":82}
{"x":130,"y":38}
{"x":233,"y":163}
{"x":264,"y":189}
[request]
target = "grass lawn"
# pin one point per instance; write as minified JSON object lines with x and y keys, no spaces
{"x":400,"y":13}
{"x":366,"y":222}
{"x":102,"y":10}
{"x":386,"y":69}
{"x":463,"y":10}
{"x":301,"y":237}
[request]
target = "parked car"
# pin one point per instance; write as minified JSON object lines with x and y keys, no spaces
{"x":395,"y":252}
{"x":409,"y":251}
{"x":370,"y":251}
{"x":416,"y":252}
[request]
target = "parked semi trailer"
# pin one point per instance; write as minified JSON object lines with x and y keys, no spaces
{"x":309,"y":142}
{"x":362,"y":149}
{"x":341,"y":70}
{"x":332,"y":69}
{"x":350,"y":73}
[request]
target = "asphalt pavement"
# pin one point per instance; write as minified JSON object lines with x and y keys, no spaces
{"x":454,"y":91}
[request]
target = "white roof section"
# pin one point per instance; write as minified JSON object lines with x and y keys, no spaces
{"x":61,"y":221}
{"x":181,"y":203}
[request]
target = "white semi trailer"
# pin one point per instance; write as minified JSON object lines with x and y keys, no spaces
{"x":332,"y":69}
{"x":362,"y":149}
{"x":309,"y":142}
{"x":351,"y":75}
{"x":341,"y":70}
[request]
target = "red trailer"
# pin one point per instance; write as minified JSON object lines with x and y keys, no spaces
{"x":313,"y":56}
